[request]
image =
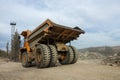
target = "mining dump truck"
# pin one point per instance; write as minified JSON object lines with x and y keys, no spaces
{"x":46,"y":45}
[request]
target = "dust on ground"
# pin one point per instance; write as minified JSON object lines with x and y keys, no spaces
{"x":82,"y":70}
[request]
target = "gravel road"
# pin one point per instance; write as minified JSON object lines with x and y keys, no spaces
{"x":82,"y":70}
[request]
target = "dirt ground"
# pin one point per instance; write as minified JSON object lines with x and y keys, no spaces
{"x":82,"y":70}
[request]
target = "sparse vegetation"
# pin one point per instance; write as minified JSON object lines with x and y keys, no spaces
{"x":3,"y":54}
{"x":15,"y":46}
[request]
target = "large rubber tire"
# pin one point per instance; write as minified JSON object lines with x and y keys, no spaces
{"x":68,"y":58}
{"x":53,"y":56}
{"x":24,"y":60}
{"x":76,"y":55}
{"x":71,"y":55}
{"x":42,"y":56}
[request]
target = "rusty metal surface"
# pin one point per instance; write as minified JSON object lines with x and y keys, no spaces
{"x":53,"y":32}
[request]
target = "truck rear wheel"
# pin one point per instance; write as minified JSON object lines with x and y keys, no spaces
{"x":53,"y":55}
{"x":68,"y":57}
{"x":76,"y":55}
{"x":25,"y":62}
{"x":71,"y":56}
{"x":42,"y":56}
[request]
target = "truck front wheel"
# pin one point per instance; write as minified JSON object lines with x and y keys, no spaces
{"x":24,"y":60}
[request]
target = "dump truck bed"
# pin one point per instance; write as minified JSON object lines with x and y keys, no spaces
{"x":51,"y":32}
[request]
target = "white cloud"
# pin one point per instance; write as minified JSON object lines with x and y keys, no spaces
{"x":96,"y":39}
{"x":4,"y":28}
{"x":99,"y":18}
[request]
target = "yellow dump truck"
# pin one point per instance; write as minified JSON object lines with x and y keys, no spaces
{"x":46,"y":45}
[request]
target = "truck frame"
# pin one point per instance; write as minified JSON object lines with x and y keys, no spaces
{"x":46,"y":45}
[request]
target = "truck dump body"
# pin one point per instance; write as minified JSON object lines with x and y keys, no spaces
{"x":52,"y":32}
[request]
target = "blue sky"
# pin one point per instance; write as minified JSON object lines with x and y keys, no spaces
{"x":99,"y":18}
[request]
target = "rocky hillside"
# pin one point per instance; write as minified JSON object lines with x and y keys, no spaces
{"x":99,"y":52}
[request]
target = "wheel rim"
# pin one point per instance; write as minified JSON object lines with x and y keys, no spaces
{"x":63,"y":57}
